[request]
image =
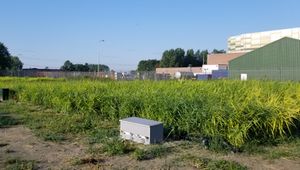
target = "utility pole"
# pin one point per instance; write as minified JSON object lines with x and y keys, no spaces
{"x":98,"y":65}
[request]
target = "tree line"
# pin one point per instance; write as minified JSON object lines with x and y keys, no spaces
{"x":7,"y":61}
{"x":177,"y":58}
{"x":69,"y":66}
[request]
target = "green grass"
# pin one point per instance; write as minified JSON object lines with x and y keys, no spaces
{"x":283,"y":149}
{"x":52,"y":137}
{"x":52,"y":126}
{"x":226,"y":165}
{"x":111,"y":147}
{"x":235,"y":111}
{"x":210,"y":164}
{"x":56,"y":127}
{"x":116,"y":146}
{"x":82,"y":161}
{"x":102,"y":134}
{"x":7,"y":120}
{"x":151,"y":152}
{"x":18,"y":164}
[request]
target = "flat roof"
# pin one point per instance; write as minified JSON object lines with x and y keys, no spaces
{"x":141,"y":121}
{"x":215,"y":59}
{"x":265,"y":32}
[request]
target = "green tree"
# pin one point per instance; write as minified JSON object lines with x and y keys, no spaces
{"x":94,"y":67}
{"x":104,"y":67}
{"x":189,"y":58}
{"x":16,"y":63}
{"x":148,"y":65}
{"x":5,"y":60}
{"x":215,"y":51}
{"x":199,"y":58}
{"x":81,"y":67}
{"x":165,"y":60}
{"x":172,"y":58}
{"x":8,"y":62}
{"x":179,"y":57}
{"x":204,"y":55}
{"x":68,"y":66}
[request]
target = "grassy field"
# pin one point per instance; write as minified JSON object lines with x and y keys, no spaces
{"x":233,"y":112}
{"x":255,"y":118}
{"x":104,"y":148}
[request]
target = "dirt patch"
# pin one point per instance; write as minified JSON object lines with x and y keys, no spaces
{"x":257,"y":162}
{"x":19,"y":142}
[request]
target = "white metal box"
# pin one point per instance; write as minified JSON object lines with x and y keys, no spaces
{"x":141,"y":130}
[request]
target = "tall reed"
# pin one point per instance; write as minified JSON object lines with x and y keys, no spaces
{"x":234,"y":110}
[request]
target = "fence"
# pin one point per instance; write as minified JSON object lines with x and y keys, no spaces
{"x":269,"y":74}
{"x":147,"y":75}
{"x":55,"y":74}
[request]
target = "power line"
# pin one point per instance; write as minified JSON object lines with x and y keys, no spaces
{"x":42,"y":59}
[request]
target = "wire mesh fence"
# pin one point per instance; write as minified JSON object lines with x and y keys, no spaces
{"x":55,"y":74}
{"x":133,"y":75}
{"x":267,"y":74}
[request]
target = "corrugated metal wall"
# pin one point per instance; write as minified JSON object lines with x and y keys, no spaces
{"x":279,"y":60}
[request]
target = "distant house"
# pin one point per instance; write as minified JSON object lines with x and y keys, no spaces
{"x":172,"y":70}
{"x":222,"y":60}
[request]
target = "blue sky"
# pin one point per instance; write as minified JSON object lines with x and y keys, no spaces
{"x":48,"y":32}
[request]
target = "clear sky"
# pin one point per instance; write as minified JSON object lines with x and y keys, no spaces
{"x":48,"y":32}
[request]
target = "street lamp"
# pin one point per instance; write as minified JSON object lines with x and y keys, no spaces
{"x":98,"y":68}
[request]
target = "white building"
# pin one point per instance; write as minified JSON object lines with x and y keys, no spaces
{"x":251,"y":41}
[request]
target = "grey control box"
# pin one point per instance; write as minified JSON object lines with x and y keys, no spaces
{"x":141,"y":130}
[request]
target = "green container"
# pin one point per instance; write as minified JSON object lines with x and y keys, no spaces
{"x":4,"y":93}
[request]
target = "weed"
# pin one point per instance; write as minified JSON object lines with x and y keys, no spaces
{"x":139,"y":154}
{"x":18,"y":164}
{"x":95,"y":150}
{"x":82,"y":161}
{"x":151,"y":152}
{"x":206,"y":163}
{"x":53,"y":137}
{"x":219,"y":144}
{"x":100,"y":135}
{"x":116,"y":146}
{"x":223,"y":164}
{"x":289,"y":148}
{"x":6,"y":121}
{"x":196,"y":162}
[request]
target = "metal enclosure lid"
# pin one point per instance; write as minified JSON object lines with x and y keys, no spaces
{"x":141,"y":121}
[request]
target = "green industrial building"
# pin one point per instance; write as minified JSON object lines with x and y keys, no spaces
{"x":279,"y":60}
